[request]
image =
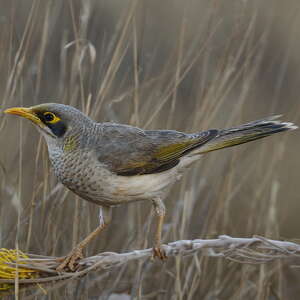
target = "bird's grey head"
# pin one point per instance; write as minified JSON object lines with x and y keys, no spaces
{"x":55,"y":121}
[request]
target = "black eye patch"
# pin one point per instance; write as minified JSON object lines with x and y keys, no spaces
{"x":58,"y":129}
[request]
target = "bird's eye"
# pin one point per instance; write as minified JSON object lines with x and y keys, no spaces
{"x":50,"y":117}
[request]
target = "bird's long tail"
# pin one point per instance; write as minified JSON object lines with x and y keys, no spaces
{"x":246,"y":133}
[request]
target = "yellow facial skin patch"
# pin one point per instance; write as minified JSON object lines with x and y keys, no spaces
{"x":51,"y":118}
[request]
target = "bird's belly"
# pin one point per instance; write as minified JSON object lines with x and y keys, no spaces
{"x":111,"y":189}
{"x":95,"y":183}
{"x":150,"y":186}
{"x":144,"y":187}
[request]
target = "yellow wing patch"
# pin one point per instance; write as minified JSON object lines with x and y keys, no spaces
{"x":169,"y":152}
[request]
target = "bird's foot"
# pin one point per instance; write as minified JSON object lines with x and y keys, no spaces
{"x":69,"y":262}
{"x":159,"y":252}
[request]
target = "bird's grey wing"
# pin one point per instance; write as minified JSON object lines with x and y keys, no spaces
{"x":127,"y":150}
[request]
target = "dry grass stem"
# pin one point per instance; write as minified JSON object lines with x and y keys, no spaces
{"x":255,"y":250}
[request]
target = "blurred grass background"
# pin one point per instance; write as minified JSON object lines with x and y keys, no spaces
{"x":184,"y":65}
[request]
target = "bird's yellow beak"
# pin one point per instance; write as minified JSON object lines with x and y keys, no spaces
{"x":27,"y":113}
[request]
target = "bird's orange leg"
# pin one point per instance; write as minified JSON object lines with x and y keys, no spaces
{"x":160,"y":211}
{"x":69,"y":262}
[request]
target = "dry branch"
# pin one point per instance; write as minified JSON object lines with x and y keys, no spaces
{"x":255,"y":250}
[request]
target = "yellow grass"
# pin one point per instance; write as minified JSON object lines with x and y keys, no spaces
{"x":9,"y":257}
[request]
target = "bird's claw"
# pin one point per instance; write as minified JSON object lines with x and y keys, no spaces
{"x":69,"y":262}
{"x":159,"y":252}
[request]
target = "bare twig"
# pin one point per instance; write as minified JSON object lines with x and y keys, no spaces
{"x":255,"y":250}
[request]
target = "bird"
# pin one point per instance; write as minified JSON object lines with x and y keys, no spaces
{"x":111,"y":164}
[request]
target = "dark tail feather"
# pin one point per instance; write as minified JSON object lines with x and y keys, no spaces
{"x":245,"y":133}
